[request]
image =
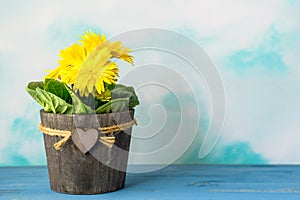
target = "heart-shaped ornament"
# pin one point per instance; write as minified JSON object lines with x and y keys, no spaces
{"x":84,"y":139}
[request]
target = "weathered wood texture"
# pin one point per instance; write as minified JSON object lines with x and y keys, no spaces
{"x":101,"y":170}
{"x":215,"y":182}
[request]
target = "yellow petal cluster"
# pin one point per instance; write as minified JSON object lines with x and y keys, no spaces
{"x":87,"y":66}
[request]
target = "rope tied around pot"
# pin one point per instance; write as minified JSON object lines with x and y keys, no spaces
{"x":106,"y":140}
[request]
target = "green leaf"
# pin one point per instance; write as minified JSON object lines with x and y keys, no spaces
{"x":105,"y":108}
{"x":115,"y":105}
{"x":38,"y":84}
{"x":50,"y":102}
{"x":78,"y":105}
{"x":111,"y":86}
{"x":57,"y":88}
{"x":36,"y":97}
{"x":122,"y":91}
{"x":121,"y":105}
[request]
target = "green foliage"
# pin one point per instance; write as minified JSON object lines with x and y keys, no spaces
{"x":33,"y":85}
{"x":122,"y":91}
{"x":56,"y":97}
{"x":79,"y":106}
{"x":115,"y":105}
{"x":123,"y":98}
{"x":49,"y":101}
{"x":57,"y":88}
{"x":111,"y":87}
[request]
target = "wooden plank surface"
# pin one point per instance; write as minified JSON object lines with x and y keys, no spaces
{"x":172,"y":182}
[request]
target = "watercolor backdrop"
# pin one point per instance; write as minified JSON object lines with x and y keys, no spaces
{"x":255,"y":45}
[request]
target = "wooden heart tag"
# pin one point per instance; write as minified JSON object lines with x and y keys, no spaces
{"x":84,"y":139}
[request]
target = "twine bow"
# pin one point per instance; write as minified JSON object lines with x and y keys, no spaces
{"x":106,"y":140}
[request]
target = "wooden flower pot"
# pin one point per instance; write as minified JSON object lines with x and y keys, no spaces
{"x":102,"y":169}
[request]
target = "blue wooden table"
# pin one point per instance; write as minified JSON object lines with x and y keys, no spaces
{"x":172,"y":182}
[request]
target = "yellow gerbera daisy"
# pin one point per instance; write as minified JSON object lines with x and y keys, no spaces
{"x":87,"y":66}
{"x":95,"y":72}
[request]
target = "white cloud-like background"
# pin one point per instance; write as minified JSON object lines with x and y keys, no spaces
{"x":254,"y":44}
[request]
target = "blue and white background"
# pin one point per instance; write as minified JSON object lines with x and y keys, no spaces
{"x":255,"y":45}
